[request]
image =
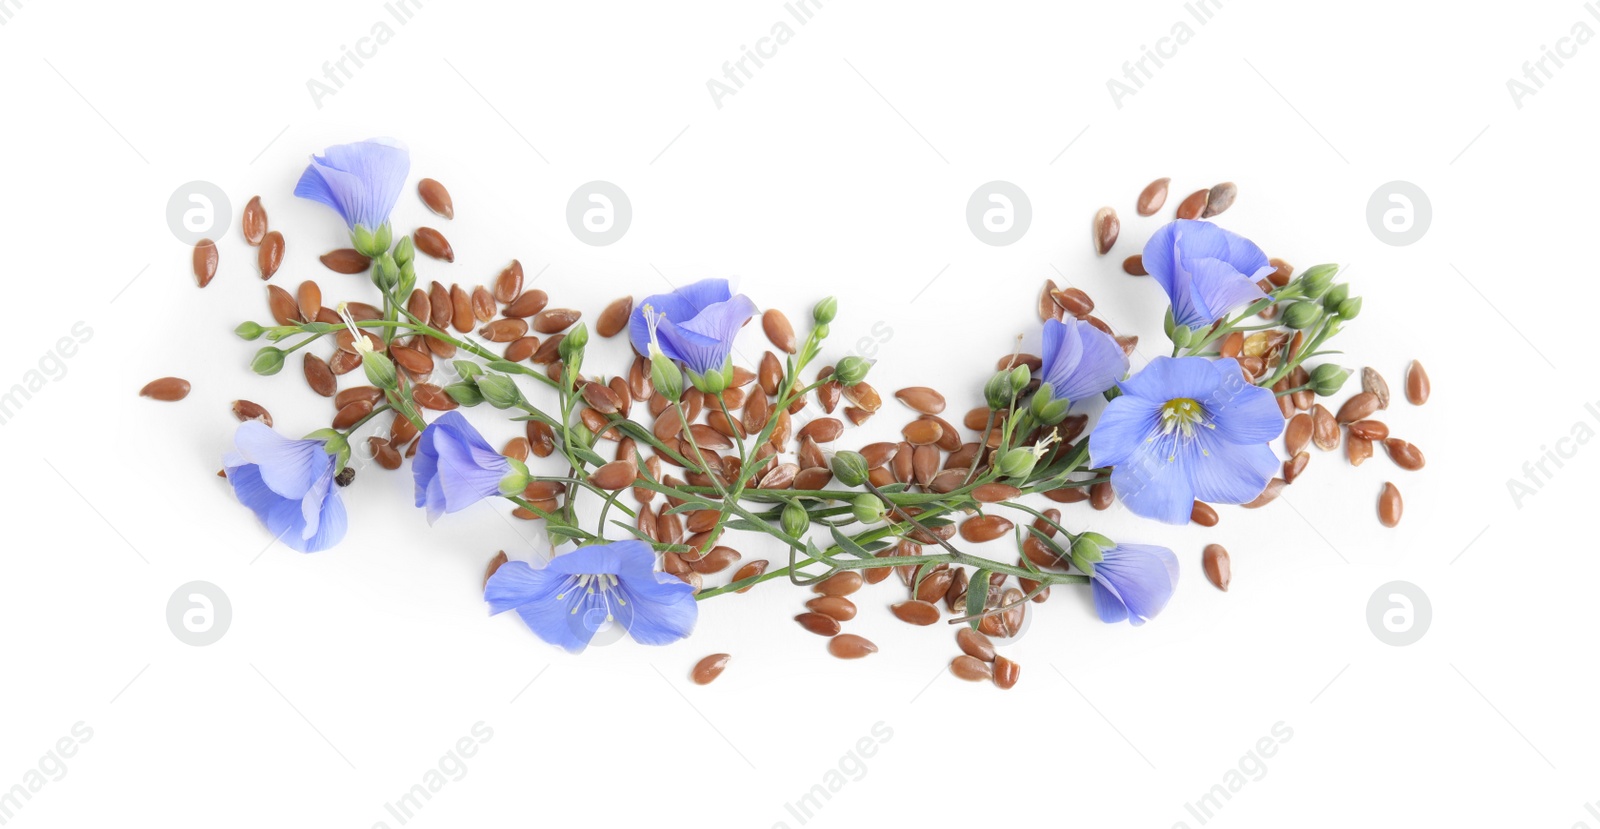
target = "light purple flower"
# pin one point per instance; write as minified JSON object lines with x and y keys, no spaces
{"x":1187,"y":428}
{"x":456,"y":468}
{"x":1080,"y":360}
{"x":289,"y":485}
{"x":695,"y":324}
{"x":1205,"y":270}
{"x":1133,"y":582}
{"x":362,"y":181}
{"x":579,"y":593}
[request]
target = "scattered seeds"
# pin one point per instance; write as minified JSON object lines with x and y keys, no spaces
{"x":433,"y":243}
{"x":779,"y":331}
{"x":436,"y":198}
{"x":1192,"y":206}
{"x":254,"y":222}
{"x":851,"y":646}
{"x":205,"y":262}
{"x":1390,"y":506}
{"x":1152,"y":197}
{"x":970,"y":669}
{"x":1106,"y":229}
{"x":1218,"y":566}
{"x":167,"y":389}
{"x":1219,"y":198}
{"x":1417,"y":386}
{"x":270,"y":255}
{"x":709,"y":668}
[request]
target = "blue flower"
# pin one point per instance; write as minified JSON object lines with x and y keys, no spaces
{"x":362,"y":181}
{"x":1080,"y":360}
{"x":456,"y":468}
{"x":1205,"y":270}
{"x":1133,"y":582}
{"x":694,"y":325}
{"x":1187,"y":428}
{"x":579,"y":593}
{"x":289,"y":485}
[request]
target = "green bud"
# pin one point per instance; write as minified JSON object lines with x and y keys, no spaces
{"x":333,"y":440}
{"x":867,"y":508}
{"x":1099,"y":540}
{"x":385,"y":274}
{"x":575,"y":341}
{"x":794,"y":520}
{"x":499,"y":391}
{"x":383,"y":239}
{"x":365,"y":242}
{"x":1350,"y":308}
{"x":824,"y":311}
{"x":1045,"y":408}
{"x":851,"y":370}
{"x":408,"y":281}
{"x":406,"y":252}
{"x":379,"y":369}
{"x":997,"y":392}
{"x":581,"y":434}
{"x":1327,"y":379}
{"x":712,"y":382}
{"x":1021,"y":376}
{"x":465,"y":394}
{"x":249,"y":331}
{"x":516,"y":480}
{"x":1181,"y":335}
{"x":666,"y":376}
{"x":1017,"y":463}
{"x":1334,"y":296}
{"x":850,"y":468}
{"x":1302,"y":315}
{"x":1086,"y":553}
{"x":822,"y":331}
{"x":1314,"y":282}
{"x":467,"y":370}
{"x":268,"y":360}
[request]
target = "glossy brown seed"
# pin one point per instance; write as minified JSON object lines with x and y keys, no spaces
{"x":254,"y":222}
{"x":1218,"y":566}
{"x":344,"y":362}
{"x":615,"y":475}
{"x":319,"y":376}
{"x":879,"y":454}
{"x":1219,"y":198}
{"x":412,"y":360}
{"x":1390,"y":506}
{"x":818,"y":623}
{"x":1294,"y":466}
{"x":347,"y":416}
{"x":1282,"y":272}
{"x":516,"y":448}
{"x":441,"y":306}
{"x":1193,"y":205}
{"x":924,"y":462}
{"x":1357,"y":408}
{"x":922,"y":432}
{"x":429,"y":396}
{"x":842,"y":583}
{"x":935,"y":585}
{"x":1232,"y":345}
{"x":822,"y":430}
{"x":975,"y":644}
{"x":709,"y":668}
{"x":1297,"y":433}
{"x":1324,"y":429}
{"x":494,"y":564}
{"x":1074,"y":302}
{"x":552,"y":320}
{"x":1134,"y":265}
{"x":386,"y":455}
{"x":166,"y":389}
{"x":309,"y":299}
{"x":461,"y":315}
{"x":205,"y":262}
{"x":1048,"y":309}
{"x":770,"y":373}
{"x":1268,"y":495}
{"x":547,"y":353}
{"x":1006,"y":672}
{"x":433,"y":243}
{"x":835,"y":607}
{"x":482,"y":304}
{"x":970,"y":669}
{"x":346,"y":261}
{"x":1101,"y":495}
{"x":1405,"y":455}
{"x":1203,"y":514}
{"x":750,"y":571}
{"x":541,"y":439}
{"x":979,"y":529}
{"x":714,"y":561}
{"x":1370,"y":429}
{"x":248,"y":410}
{"x":615,"y":317}
{"x":1372,"y":381}
{"x":921,"y":399}
{"x":781,"y":477}
{"x":994,"y":492}
{"x":1106,"y":229}
{"x":530,"y":302}
{"x":1417,"y":386}
{"x":285,"y":310}
{"x":779,"y":331}
{"x":269,"y":257}
{"x":851,"y":646}
{"x":508,"y":285}
{"x":915,"y":612}
{"x":1152,"y":197}
{"x":436,"y":198}
{"x":506,"y":330}
{"x":1357,"y":449}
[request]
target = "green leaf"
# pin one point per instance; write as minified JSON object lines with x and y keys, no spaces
{"x":848,"y":544}
{"x":977,"y":595}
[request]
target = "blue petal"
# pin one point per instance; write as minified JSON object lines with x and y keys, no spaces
{"x":362,"y":181}
{"x":544,"y":599}
{"x":286,"y":518}
{"x":252,"y":491}
{"x":1228,"y":473}
{"x":332,"y":522}
{"x":703,"y":343}
{"x":1170,"y":378}
{"x":1243,"y":412}
{"x":289,"y":467}
{"x":1154,"y":484}
{"x":1107,"y":603}
{"x":458,"y":467}
{"x":664,"y":609}
{"x":1163,"y":258}
{"x":1124,"y":426}
{"x":679,"y":306}
{"x":1141,"y":576}
{"x":1220,"y":287}
{"x":1080,"y":360}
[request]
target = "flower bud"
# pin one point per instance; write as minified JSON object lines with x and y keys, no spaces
{"x":1350,"y":308}
{"x":1302,"y":315}
{"x":408,"y":280}
{"x":465,"y":394}
{"x":666,"y":376}
{"x":581,"y":434}
{"x":824,"y":311}
{"x":379,"y":369}
{"x":867,"y":508}
{"x":1045,"y":408}
{"x":997,"y":392}
{"x":249,"y":331}
{"x":712,"y":382}
{"x":822,"y":331}
{"x":1021,"y":376}
{"x":499,"y":391}
{"x":1099,"y":540}
{"x":851,"y":370}
{"x":1327,"y":379}
{"x":850,"y":468}
{"x":1086,"y":552}
{"x":1017,"y":463}
{"x":406,"y":252}
{"x":794,"y":520}
{"x":385,"y":273}
{"x":1181,"y":335}
{"x":467,"y":370}
{"x":1315,"y":280}
{"x":516,"y":480}
{"x":575,"y":341}
{"x":365,"y":242}
{"x":1334,"y":296}
{"x":268,"y":360}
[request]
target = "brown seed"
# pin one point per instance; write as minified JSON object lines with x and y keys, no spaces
{"x":461,"y":315}
{"x":285,"y":310}
{"x":604,"y":401}
{"x":433,"y":243}
{"x":347,"y":416}
{"x":975,"y":644}
{"x":309,"y":299}
{"x":1405,"y":455}
{"x":984,"y":527}
{"x":429,"y":396}
{"x":770,"y":373}
{"x":319,"y":376}
{"x":254,"y":223}
{"x":1218,"y":566}
{"x":1357,"y":449}
{"x":1370,"y":429}
{"x":1297,"y":434}
{"x":419,"y":305}
{"x":935,"y":585}
{"x":344,"y":362}
{"x":412,"y":360}
{"x":818,"y":623}
{"x":1390,"y":506}
{"x":1134,"y":265}
{"x":851,"y":646}
{"x":1203,"y":514}
{"x":615,"y":475}
{"x":1294,"y":466}
{"x":269,"y":257}
{"x":1192,"y":206}
{"x":1324,"y":429}
{"x":516,"y":448}
{"x":834,"y":607}
{"x":921,"y":399}
{"x":842,"y":583}
{"x":749,"y":571}
{"x":1106,"y":229}
{"x":386,"y":455}
{"x":915,"y":612}
{"x":1372,"y":381}
{"x":506,"y":330}
{"x":1067,"y":494}
{"x":994,"y":492}
{"x":1006,"y":672}
{"x":1219,"y":198}
{"x":970,"y":669}
{"x":482,"y":304}
{"x":530,"y":302}
{"x":441,"y":306}
{"x":247,"y":410}
{"x":715,"y":561}
{"x":1357,"y":408}
{"x":345,"y":260}
{"x":205,"y":262}
{"x":615,"y":317}
{"x":822,"y":430}
{"x":436,"y":198}
{"x":547,"y":353}
{"x":779,"y":331}
{"x":922,"y":432}
{"x":1101,"y":495}
{"x":552,"y":320}
{"x":166,"y":389}
{"x":494,"y":564}
{"x":709,"y":668}
{"x":1152,"y":197}
{"x":1282,"y":272}
{"x":1074,"y":301}
{"x":508,"y":285}
{"x":924,"y":462}
{"x":1268,"y":495}
{"x":1417,"y":386}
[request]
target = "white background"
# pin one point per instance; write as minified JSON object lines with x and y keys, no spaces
{"x":842,"y":167}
